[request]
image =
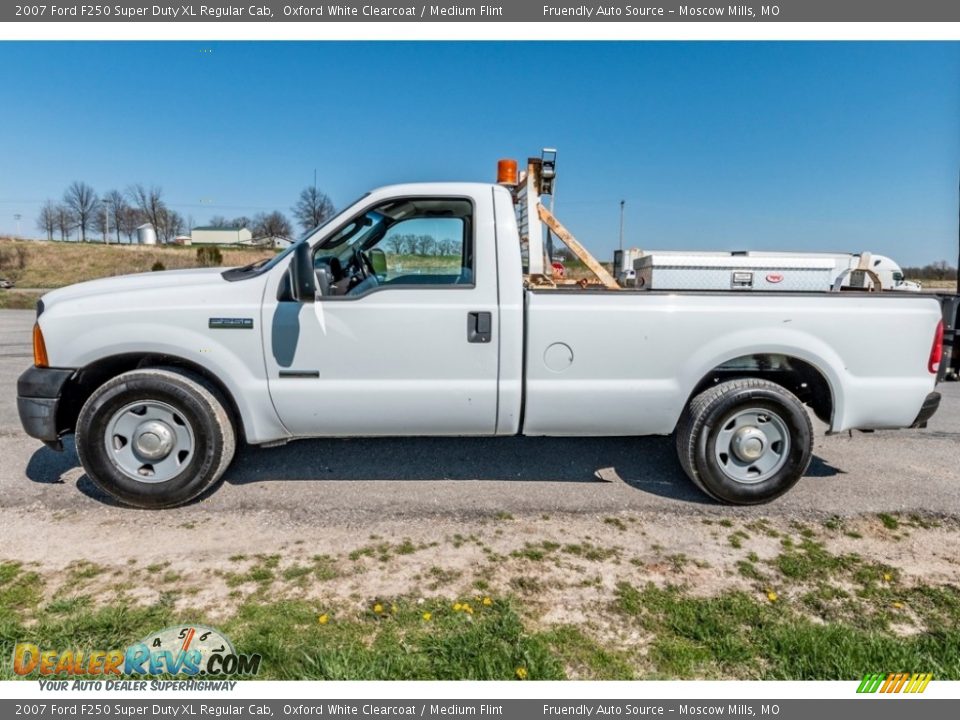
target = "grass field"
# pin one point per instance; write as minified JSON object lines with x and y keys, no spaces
{"x":41,"y":264}
{"x":779,"y":601}
{"x":947,"y":285}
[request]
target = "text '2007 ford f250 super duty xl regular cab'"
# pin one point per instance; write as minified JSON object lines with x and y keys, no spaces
{"x":159,"y":375}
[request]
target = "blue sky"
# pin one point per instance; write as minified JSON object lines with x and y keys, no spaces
{"x":806,"y":146}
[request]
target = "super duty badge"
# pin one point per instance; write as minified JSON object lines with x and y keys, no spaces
{"x":231,"y":323}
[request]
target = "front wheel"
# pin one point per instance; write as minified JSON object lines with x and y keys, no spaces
{"x":155,"y":437}
{"x":745,"y":442}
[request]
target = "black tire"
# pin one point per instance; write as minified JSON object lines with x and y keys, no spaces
{"x":197,"y":405}
{"x":707,"y":414}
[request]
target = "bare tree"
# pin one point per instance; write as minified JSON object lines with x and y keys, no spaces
{"x":83,"y":204}
{"x":129,"y":222}
{"x":47,"y":220}
{"x":427,"y":245}
{"x":171,"y":225}
{"x":219,"y":221}
{"x":313,"y":208}
{"x":65,"y":221}
{"x":148,"y":201}
{"x":272,"y":225}
{"x":395,"y":244}
{"x":101,"y":222}
{"x":117,"y":208}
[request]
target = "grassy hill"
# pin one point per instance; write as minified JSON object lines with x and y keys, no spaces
{"x":41,"y":264}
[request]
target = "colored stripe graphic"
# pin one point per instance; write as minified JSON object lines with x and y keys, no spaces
{"x":894,"y":683}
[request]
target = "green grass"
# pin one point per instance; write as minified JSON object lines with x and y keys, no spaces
{"x":18,"y":299}
{"x":536,"y":551}
{"x":889,"y":521}
{"x":737,"y":635}
{"x":810,"y":560}
{"x":832,"y":618}
{"x":616,"y":522}
{"x":490,"y":644}
{"x":736,"y":539}
{"x":588,"y":551}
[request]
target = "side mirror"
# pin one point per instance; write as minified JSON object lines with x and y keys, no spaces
{"x":378,"y":258}
{"x":303,"y":280}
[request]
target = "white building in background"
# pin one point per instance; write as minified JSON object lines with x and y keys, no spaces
{"x":278,"y":243}
{"x":206,"y":235}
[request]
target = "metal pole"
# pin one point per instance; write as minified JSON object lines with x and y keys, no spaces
{"x":106,"y":225}
{"x":622,"y":203}
{"x":958,"y":238}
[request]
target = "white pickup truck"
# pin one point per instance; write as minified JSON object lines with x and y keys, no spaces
{"x":347,"y":333}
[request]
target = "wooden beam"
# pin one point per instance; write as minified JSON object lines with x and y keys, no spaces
{"x":576,"y":248}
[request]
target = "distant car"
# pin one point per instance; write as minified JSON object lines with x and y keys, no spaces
{"x":5,"y":284}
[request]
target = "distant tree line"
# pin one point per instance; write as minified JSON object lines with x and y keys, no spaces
{"x":412,"y":244}
{"x":939,"y":270}
{"x":109,"y":216}
{"x":82,"y":212}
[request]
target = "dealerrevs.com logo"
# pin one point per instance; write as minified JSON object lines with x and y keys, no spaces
{"x":183,"y":650}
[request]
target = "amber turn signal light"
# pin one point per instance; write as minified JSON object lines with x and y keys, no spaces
{"x":39,"y":348}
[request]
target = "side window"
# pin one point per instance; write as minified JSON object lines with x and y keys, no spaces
{"x":407,"y":242}
{"x":422,"y":251}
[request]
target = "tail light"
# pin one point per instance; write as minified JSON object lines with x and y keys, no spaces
{"x":936,"y":352}
{"x":39,"y":348}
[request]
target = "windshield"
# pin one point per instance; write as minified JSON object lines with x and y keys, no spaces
{"x":259,"y":267}
{"x":360,"y":233}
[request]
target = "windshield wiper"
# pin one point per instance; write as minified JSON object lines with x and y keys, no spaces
{"x":254,"y":265}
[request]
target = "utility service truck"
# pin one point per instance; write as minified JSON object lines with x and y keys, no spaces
{"x":347,"y":332}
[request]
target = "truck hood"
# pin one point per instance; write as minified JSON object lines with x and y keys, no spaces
{"x":139,"y":281}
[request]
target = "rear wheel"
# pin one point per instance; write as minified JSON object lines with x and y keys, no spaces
{"x":745,"y":441}
{"x":155,"y":438}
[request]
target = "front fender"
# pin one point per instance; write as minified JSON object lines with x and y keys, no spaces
{"x":234,"y":357}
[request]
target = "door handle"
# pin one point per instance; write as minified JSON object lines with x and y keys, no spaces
{"x":479,"y":327}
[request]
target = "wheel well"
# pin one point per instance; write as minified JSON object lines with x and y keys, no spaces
{"x":798,"y":376}
{"x":79,"y":389}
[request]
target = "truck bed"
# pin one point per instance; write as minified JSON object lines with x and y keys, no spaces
{"x":626,"y":362}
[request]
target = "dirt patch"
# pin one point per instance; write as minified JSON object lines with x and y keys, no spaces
{"x":564,"y":569}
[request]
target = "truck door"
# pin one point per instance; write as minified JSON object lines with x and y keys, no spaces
{"x":402,"y":339}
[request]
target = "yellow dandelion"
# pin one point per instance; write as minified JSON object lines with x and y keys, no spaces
{"x":427,"y":616}
{"x":771,"y":596}
{"x":887,"y":577}
{"x":487,"y":602}
{"x":323,"y":619}
{"x":393,"y":609}
{"x":378,"y":608}
{"x":468,"y":609}
{"x":521,"y":673}
{"x":898,"y":605}
{"x":457,"y":607}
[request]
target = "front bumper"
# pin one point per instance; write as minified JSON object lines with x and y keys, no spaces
{"x":929,"y":407}
{"x":39,"y":392}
